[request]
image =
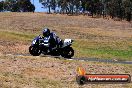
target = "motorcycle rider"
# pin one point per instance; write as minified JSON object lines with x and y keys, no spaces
{"x":54,"y":40}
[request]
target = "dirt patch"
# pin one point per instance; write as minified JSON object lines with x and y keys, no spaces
{"x":8,"y":47}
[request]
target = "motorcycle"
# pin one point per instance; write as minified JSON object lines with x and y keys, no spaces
{"x":42,"y":46}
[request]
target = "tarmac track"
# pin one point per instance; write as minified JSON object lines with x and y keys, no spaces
{"x":83,"y":59}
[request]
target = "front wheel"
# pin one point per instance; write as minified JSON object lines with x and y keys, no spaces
{"x":67,"y":52}
{"x":34,"y":50}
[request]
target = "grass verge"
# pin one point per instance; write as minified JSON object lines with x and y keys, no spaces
{"x":16,"y":36}
{"x":100,"y":50}
{"x":121,"y":50}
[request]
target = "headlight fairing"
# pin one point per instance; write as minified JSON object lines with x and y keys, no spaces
{"x":34,"y":41}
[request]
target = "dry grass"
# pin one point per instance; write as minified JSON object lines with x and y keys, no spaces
{"x":42,"y":72}
{"x":34,"y":22}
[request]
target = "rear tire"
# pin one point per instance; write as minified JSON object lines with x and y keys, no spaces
{"x":34,"y":50}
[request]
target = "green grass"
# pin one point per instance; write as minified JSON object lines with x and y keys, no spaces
{"x":16,"y":36}
{"x":101,"y":50}
{"x":107,"y":53}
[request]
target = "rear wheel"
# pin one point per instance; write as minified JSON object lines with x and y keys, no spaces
{"x":34,"y":50}
{"x":67,"y":52}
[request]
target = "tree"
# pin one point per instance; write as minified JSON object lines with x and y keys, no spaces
{"x":18,"y":5}
{"x":25,"y":6}
{"x":115,"y":8}
{"x":64,"y":6}
{"x":128,"y":9}
{"x":50,"y":4}
{"x":1,"y":6}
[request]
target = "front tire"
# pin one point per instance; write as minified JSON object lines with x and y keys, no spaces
{"x":34,"y":50}
{"x":67,"y":52}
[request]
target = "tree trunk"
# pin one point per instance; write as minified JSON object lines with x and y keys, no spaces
{"x":49,"y":9}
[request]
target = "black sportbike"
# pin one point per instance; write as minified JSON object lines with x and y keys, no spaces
{"x":42,"y":46}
